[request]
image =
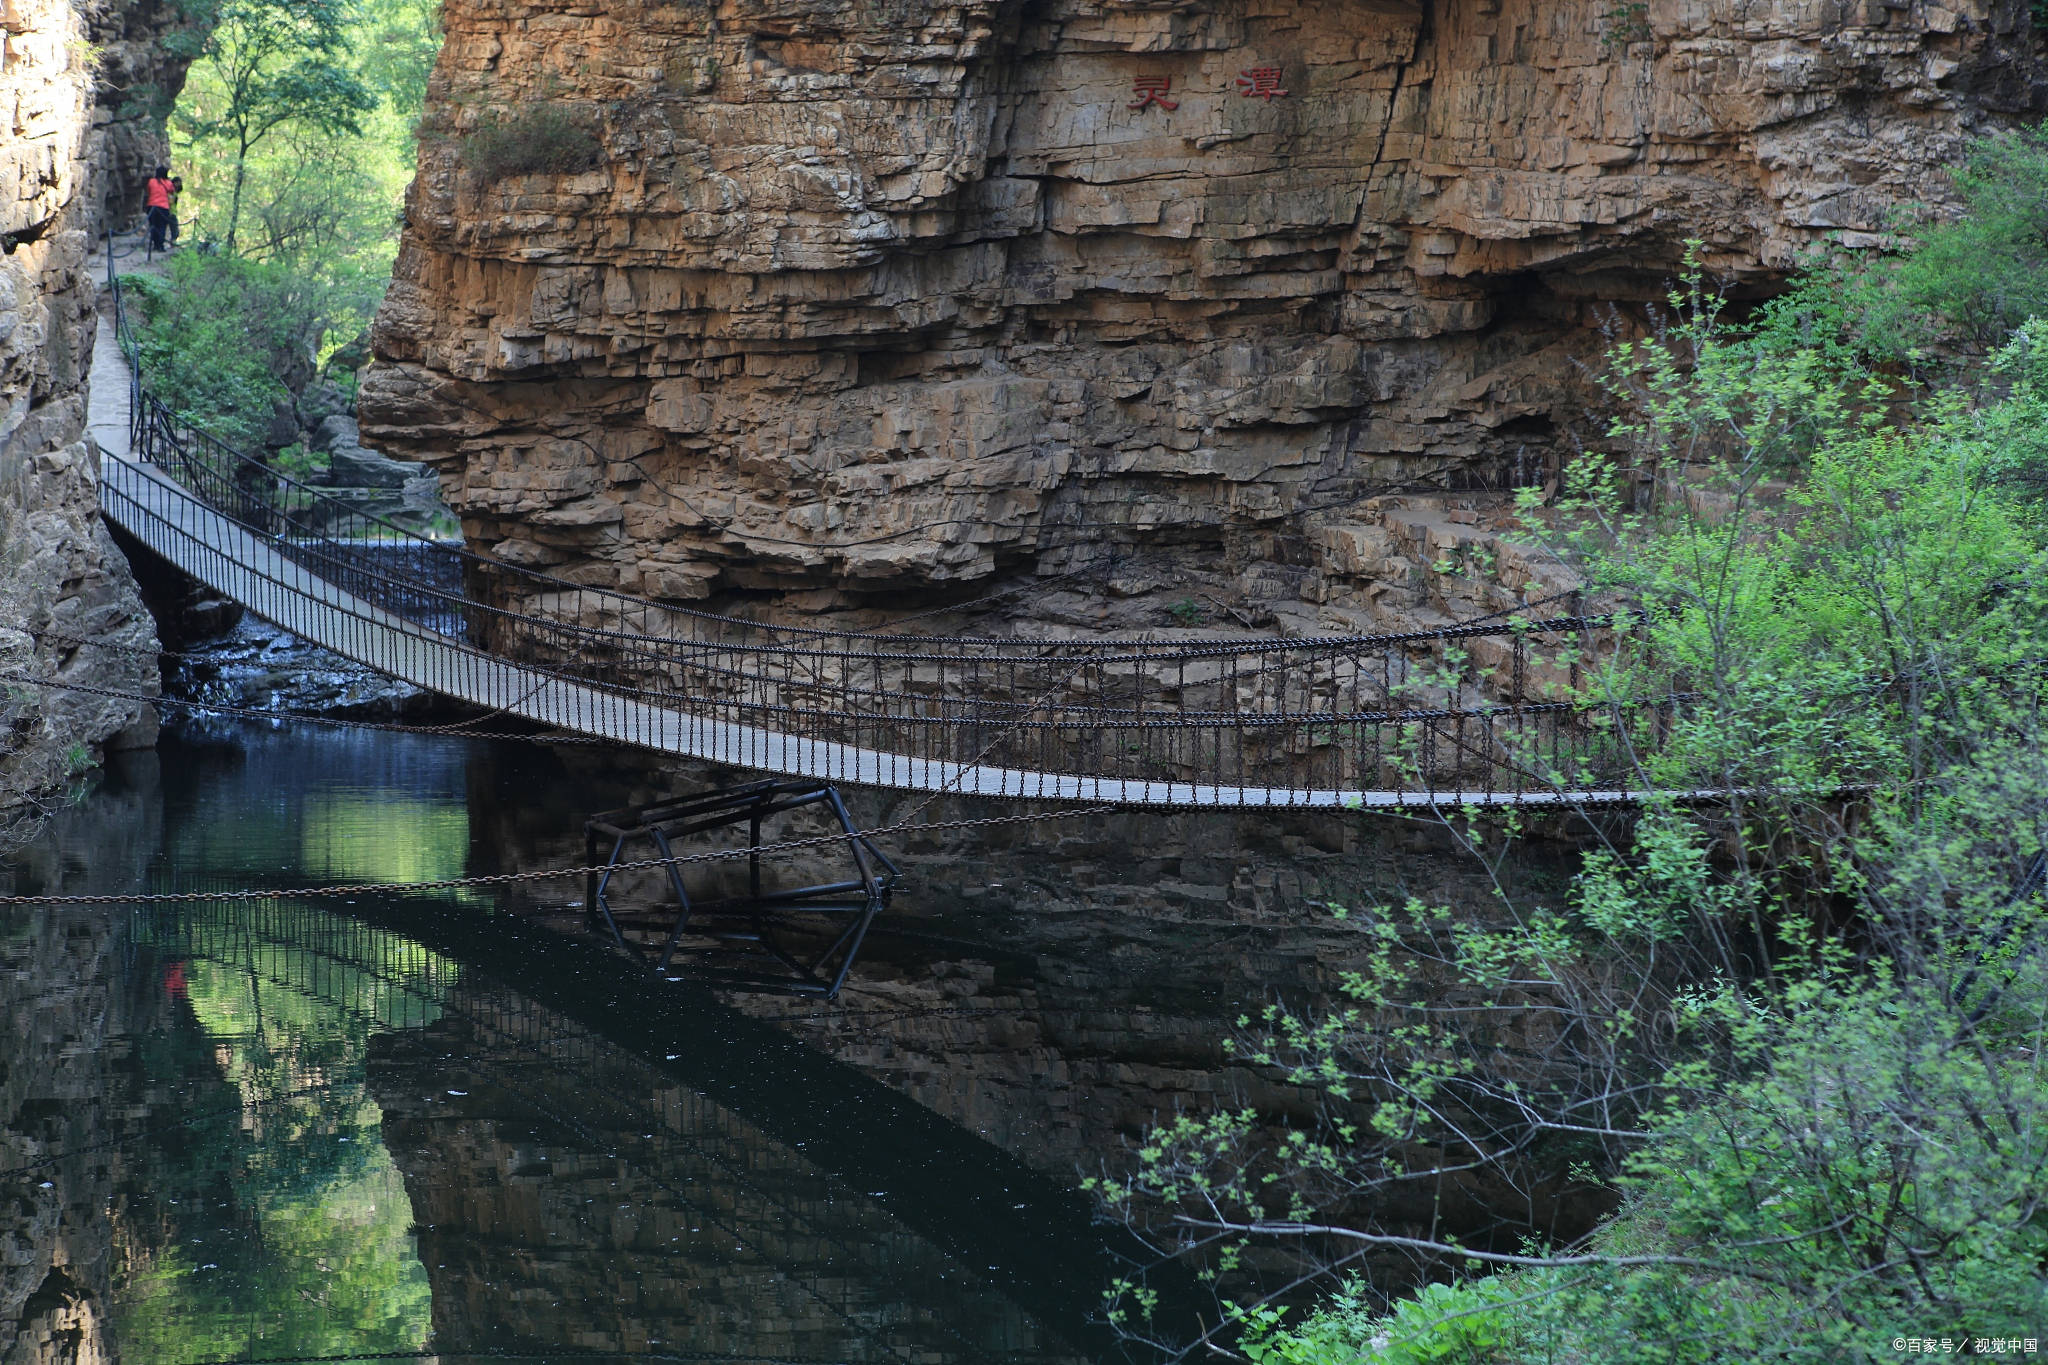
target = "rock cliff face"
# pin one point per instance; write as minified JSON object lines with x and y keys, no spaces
{"x":73,"y":80}
{"x":139,"y":80}
{"x":863,"y":294}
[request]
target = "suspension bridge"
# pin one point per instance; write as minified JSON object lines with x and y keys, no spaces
{"x":1454,"y":717}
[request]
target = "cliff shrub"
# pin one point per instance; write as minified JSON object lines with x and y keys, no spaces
{"x":2016,"y":431}
{"x":534,"y":139}
{"x":1814,"y":563}
{"x":1623,"y":24}
{"x":1466,"y":1323}
{"x":1845,"y":1145}
{"x":1967,"y":280}
{"x":200,"y":362}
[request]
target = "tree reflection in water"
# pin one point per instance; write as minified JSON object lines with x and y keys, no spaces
{"x":560,"y":1193}
{"x":282,"y":1227}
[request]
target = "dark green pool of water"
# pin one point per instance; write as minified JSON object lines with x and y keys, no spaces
{"x":384,"y":1127}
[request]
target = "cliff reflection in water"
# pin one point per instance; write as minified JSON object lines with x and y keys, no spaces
{"x":275,"y":1129}
{"x":280,"y":1129}
{"x":563,"y":1193}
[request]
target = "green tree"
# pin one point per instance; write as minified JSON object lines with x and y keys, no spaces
{"x":1961,"y":283}
{"x":314,"y":204}
{"x":274,"y":63}
{"x":1795,"y":1033}
{"x":398,"y":41}
{"x":228,"y":342}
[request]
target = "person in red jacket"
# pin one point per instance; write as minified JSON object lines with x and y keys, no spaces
{"x":157,"y":196}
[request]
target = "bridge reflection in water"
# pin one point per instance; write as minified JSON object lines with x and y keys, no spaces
{"x":270,"y":1095}
{"x":602,"y":1167}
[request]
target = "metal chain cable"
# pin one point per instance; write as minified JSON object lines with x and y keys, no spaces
{"x":116,"y":646}
{"x":785,"y":847}
{"x":1071,"y":714}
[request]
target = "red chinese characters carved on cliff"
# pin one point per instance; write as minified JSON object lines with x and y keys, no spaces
{"x":1152,"y":90}
{"x":1260,"y":82}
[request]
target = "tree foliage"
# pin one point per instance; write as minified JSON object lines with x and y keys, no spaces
{"x":230,"y":343}
{"x":295,"y":136}
{"x":1790,"y":1039}
{"x":1974,"y":278}
{"x":272,"y":64}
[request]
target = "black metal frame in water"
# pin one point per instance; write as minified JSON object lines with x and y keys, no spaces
{"x":761,"y":917}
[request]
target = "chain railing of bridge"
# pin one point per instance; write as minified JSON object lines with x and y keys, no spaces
{"x":1477,"y":712}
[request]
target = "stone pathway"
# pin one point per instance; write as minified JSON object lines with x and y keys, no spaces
{"x":107,"y":403}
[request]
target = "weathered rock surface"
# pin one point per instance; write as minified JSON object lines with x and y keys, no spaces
{"x":358,"y":467}
{"x":252,"y":665}
{"x":76,"y":80}
{"x":140,"y":74}
{"x":75,"y":619}
{"x":862,"y":295}
{"x":367,"y":483}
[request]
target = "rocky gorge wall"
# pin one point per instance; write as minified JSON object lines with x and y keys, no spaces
{"x":76,"y":82}
{"x":139,"y":75}
{"x":858,"y":296}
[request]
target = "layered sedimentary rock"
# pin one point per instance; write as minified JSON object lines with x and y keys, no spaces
{"x":69,"y":611}
{"x":870,"y":295}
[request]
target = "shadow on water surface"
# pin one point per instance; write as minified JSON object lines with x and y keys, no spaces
{"x":275,"y":1129}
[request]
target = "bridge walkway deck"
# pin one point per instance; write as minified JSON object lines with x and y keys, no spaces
{"x":233,"y":561}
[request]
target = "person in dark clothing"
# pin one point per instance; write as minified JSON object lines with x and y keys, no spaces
{"x":177,"y":189}
{"x":156,"y":195}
